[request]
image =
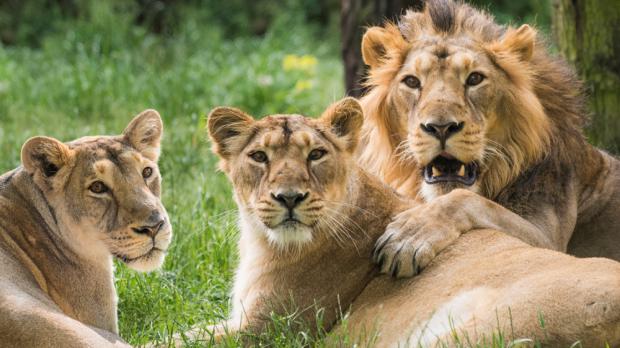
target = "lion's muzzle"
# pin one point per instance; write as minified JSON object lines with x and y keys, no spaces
{"x":442,"y":131}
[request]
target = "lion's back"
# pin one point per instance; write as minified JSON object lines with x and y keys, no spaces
{"x":488,"y":276}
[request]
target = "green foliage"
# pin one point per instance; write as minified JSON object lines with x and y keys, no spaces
{"x":30,"y":22}
{"x":518,"y":12}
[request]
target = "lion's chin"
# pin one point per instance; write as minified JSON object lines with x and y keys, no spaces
{"x":147,"y":262}
{"x":449,"y":171}
{"x":290,"y":233}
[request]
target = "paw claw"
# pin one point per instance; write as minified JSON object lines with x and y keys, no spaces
{"x":415,"y":266}
{"x":394,"y":269}
{"x":396,"y":262}
{"x":377,"y":251}
{"x":380,"y":261}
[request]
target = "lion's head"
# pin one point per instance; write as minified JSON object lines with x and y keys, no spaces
{"x":457,"y":100}
{"x":105,"y":191}
{"x":287,"y":170}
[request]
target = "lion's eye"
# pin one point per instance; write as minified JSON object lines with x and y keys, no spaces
{"x":474,"y":79}
{"x":147,"y":172}
{"x":98,"y":187}
{"x":316,"y":154}
{"x":259,"y":156}
{"x":411,"y":81}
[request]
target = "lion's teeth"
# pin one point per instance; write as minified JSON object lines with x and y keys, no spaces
{"x":436,"y":171}
{"x":462,"y":170}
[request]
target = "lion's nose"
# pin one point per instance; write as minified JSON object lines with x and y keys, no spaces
{"x":150,"y":231}
{"x":442,"y":131}
{"x":290,"y":199}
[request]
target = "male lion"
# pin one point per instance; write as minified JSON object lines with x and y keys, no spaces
{"x":309,"y":217}
{"x":481,"y":122}
{"x":64,"y":214}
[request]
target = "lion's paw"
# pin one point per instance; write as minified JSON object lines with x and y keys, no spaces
{"x":412,"y":240}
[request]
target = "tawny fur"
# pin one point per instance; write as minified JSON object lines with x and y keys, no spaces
{"x":474,"y":282}
{"x":539,"y":180}
{"x":58,"y":238}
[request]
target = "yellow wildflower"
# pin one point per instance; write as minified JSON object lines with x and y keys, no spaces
{"x":303,"y":63}
{"x":302,"y":85}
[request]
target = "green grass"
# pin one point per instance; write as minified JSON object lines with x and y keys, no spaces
{"x":89,"y":80}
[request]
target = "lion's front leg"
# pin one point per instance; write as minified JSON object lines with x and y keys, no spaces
{"x":418,"y":234}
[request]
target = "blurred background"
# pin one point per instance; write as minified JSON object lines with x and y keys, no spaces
{"x":69,"y":68}
{"x":209,"y":45}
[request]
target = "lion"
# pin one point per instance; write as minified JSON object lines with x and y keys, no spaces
{"x":480,"y":122}
{"x":64,"y":214}
{"x":309,"y":217}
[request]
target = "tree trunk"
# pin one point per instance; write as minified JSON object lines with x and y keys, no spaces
{"x":588,"y":35}
{"x":355,"y":15}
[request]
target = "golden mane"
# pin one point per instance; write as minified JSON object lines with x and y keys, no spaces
{"x":542,"y":116}
{"x":381,"y":134}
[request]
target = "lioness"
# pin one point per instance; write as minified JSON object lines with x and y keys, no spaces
{"x":64,"y":214}
{"x":481,"y":122}
{"x":309,"y":217}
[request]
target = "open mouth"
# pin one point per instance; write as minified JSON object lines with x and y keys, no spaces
{"x":445,"y":168}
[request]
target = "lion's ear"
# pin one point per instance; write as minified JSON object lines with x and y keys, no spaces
{"x":345,"y":118}
{"x":378,"y":42}
{"x":373,"y":46}
{"x":226,"y":127}
{"x":144,"y":133}
{"x":44,"y":155}
{"x":520,"y":41}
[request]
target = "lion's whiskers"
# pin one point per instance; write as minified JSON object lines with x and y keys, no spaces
{"x":404,"y":153}
{"x":333,"y":230}
{"x":347,"y":218}
{"x":338,"y":230}
{"x":350,"y":205}
{"x":220,"y":217}
{"x":495,"y":150}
